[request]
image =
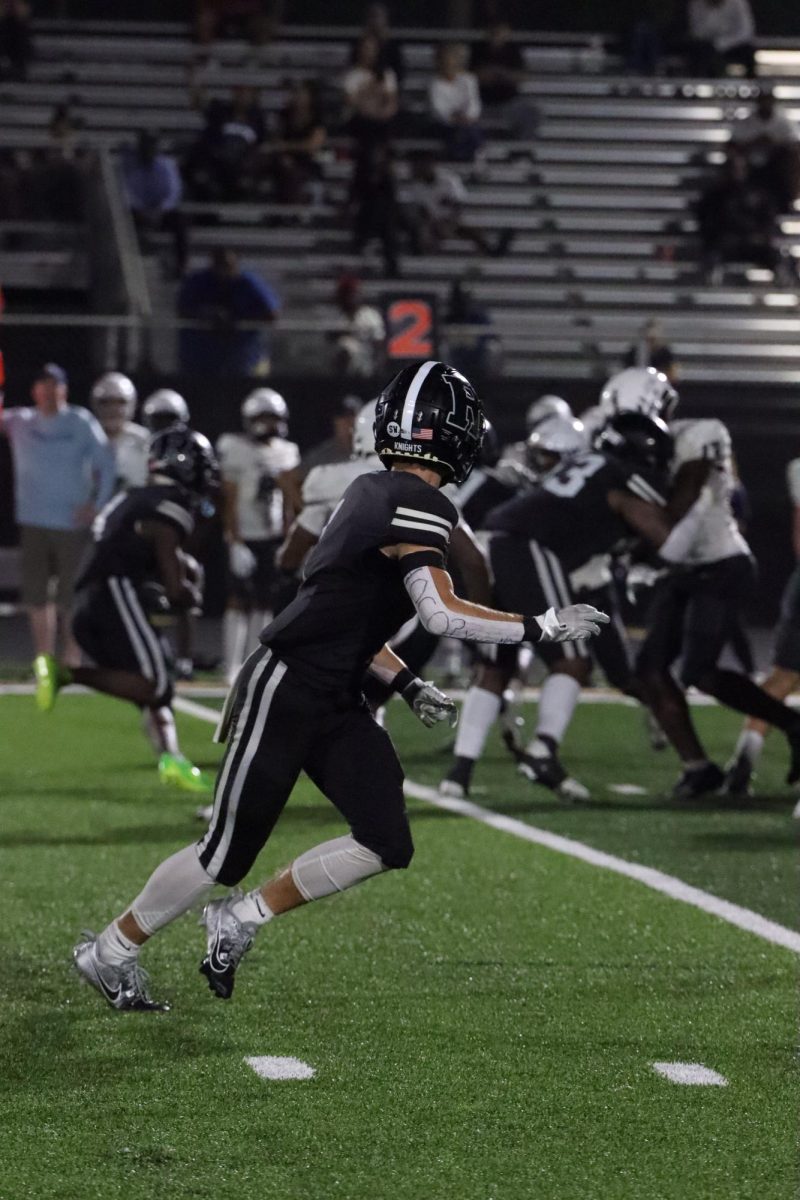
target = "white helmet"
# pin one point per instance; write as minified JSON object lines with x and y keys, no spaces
{"x":117,"y":388}
{"x":553,"y":439}
{"x":265,"y":413}
{"x":163,"y":409}
{"x":364,"y":431}
{"x":593,"y":419}
{"x":546,"y":406}
{"x":639,"y":389}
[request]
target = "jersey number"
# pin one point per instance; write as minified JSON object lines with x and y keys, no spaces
{"x":568,"y":480}
{"x":410,"y":329}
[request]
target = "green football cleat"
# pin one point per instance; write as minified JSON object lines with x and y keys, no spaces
{"x":50,"y":678}
{"x":177,"y":771}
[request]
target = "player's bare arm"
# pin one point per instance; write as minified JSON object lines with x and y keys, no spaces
{"x":467,"y":555}
{"x":295,"y":548}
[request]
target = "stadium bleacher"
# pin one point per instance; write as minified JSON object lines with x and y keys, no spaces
{"x":600,"y":203}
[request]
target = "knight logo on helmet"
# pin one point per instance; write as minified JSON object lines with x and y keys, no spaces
{"x":430,"y":414}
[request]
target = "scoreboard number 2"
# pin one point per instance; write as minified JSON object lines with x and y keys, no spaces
{"x":411,"y":328}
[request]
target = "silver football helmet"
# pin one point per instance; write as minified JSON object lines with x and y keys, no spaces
{"x":163,"y":409}
{"x":639,"y":389}
{"x":265,"y":414}
{"x":364,"y":431}
{"x":553,"y":439}
{"x":113,"y":399}
{"x":546,"y":406}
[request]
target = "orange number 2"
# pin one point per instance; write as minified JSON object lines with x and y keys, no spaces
{"x":411,"y":329}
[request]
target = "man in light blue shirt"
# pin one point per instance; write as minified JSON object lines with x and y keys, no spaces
{"x":63,"y":475}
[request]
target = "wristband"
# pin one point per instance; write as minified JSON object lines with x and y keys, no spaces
{"x":403,"y":680}
{"x":533,"y":628}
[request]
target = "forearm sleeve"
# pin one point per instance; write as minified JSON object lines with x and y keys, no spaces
{"x":480,"y":625}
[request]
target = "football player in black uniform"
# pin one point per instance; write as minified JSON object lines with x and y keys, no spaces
{"x":135,"y":579}
{"x":297,"y":704}
{"x":540,"y":540}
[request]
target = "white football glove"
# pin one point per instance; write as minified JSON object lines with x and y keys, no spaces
{"x":241,"y":560}
{"x":571,"y":624}
{"x":429,"y":704}
{"x":639,"y":577}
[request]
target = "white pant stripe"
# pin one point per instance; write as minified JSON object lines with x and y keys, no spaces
{"x":139,"y":648}
{"x":149,"y":637}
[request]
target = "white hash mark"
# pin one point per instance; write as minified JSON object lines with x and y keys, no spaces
{"x":270,"y":1066}
{"x":691,"y":1074}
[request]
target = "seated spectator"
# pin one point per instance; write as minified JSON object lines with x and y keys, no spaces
{"x":737,"y":222}
{"x":500,"y":68}
{"x":376,"y":23}
{"x":476,"y":350}
{"x":154,"y":190}
{"x":434,"y":201}
{"x":767,"y":140}
{"x":373,"y":199}
{"x":16,"y":41}
{"x":721,"y":33}
{"x":223,"y":162}
{"x":651,"y":350}
{"x":370,"y":91}
{"x":359,"y":346}
{"x":299,"y":136}
{"x":455,"y":104}
{"x":225,"y":296}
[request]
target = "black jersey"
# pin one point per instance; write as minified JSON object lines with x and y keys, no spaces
{"x":118,"y":549}
{"x":352,"y":599}
{"x":568,"y":511}
{"x":487,"y":487}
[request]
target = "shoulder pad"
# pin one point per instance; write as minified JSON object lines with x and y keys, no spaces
{"x":706,"y":438}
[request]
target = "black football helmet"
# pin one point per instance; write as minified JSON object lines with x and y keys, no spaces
{"x":186,"y":458}
{"x":637,"y":440}
{"x":491,"y":450}
{"x":431,"y":415}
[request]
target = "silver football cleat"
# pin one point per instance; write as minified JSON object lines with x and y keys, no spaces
{"x":229,"y":939}
{"x":125,"y":987}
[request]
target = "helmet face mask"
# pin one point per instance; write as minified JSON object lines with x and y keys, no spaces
{"x":265,"y":415}
{"x":430,"y":414}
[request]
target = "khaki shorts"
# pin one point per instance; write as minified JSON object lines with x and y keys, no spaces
{"x":47,"y":554}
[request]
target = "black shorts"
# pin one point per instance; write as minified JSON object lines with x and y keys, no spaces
{"x":529,"y":579}
{"x":280,"y":727}
{"x":258,"y":591}
{"x":693,"y":613}
{"x":111,"y":626}
{"x":787,"y":638}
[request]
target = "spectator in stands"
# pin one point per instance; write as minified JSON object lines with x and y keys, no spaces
{"x":373,"y":200}
{"x":768,"y":142}
{"x":376,"y":23}
{"x":475,"y":350}
{"x":299,"y":137}
{"x":500,"y":68}
{"x":225,"y":297}
{"x":433,"y":210}
{"x":370,"y":91}
{"x":652,"y":350}
{"x":223,"y":162}
{"x":737,"y":222}
{"x":360,"y":344}
{"x":154,"y":191}
{"x":721,"y":33}
{"x":64,"y":473}
{"x":16,"y":40}
{"x":455,"y":104}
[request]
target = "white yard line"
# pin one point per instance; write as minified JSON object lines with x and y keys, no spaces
{"x":668,"y":885}
{"x":269,"y":1066}
{"x":690,"y":1074}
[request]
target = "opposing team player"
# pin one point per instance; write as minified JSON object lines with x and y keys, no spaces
{"x":113,"y":400}
{"x":696,"y":608}
{"x":543,"y":540}
{"x":254,"y":517}
{"x":133,"y":581}
{"x":297,"y":705}
{"x":537,"y":411}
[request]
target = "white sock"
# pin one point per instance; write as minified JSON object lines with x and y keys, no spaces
{"x":114,"y":948}
{"x":557,"y":703}
{"x":750,"y":744}
{"x":479,"y":712}
{"x":178,"y":883}
{"x":252,"y":909}
{"x":159,"y":725}
{"x":234,"y":640}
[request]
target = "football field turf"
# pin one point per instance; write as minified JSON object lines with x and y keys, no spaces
{"x":481,"y":1027}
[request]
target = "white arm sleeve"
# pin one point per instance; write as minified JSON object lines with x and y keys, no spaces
{"x":438,"y":619}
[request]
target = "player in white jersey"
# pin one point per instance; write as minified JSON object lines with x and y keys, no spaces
{"x":113,"y":400}
{"x":784,"y":676}
{"x":251,"y":464}
{"x":697,"y":605}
